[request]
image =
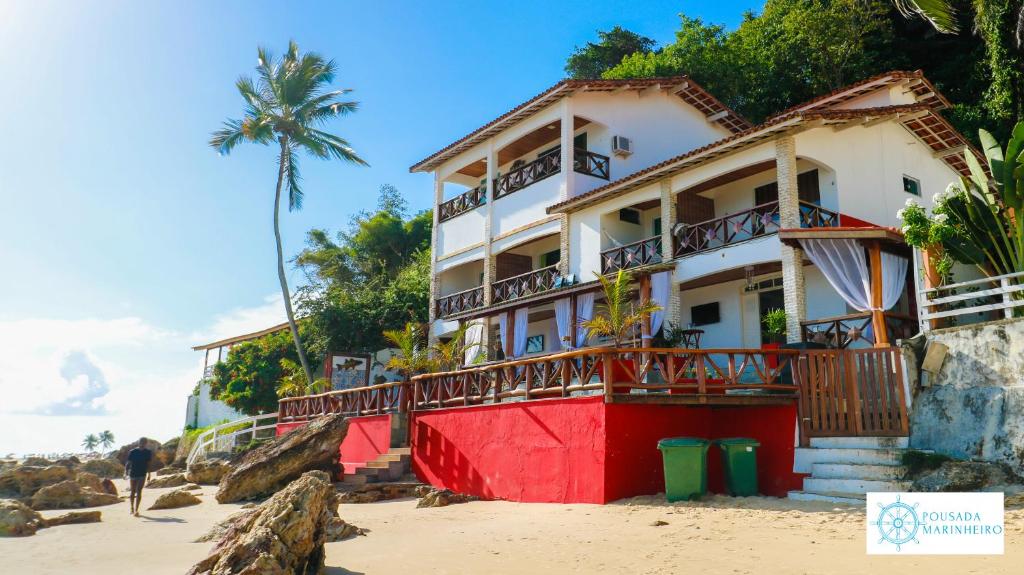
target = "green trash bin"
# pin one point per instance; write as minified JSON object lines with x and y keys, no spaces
{"x":739,"y":465}
{"x":685,"y":460}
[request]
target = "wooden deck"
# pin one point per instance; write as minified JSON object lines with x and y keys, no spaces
{"x":713,"y":400}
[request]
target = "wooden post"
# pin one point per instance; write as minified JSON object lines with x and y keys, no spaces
{"x":572,"y":322}
{"x":645,"y":325}
{"x":877,"y":315}
{"x":606,"y":375}
{"x":510,"y":333}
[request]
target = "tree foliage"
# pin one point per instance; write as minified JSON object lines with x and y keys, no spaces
{"x":612,"y":46}
{"x":248,"y":379}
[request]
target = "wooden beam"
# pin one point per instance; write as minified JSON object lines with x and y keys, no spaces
{"x":877,"y":315}
{"x":949,"y":151}
{"x":717,"y":116}
{"x":572,"y":321}
{"x":510,"y":332}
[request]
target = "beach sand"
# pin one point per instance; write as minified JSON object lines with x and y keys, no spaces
{"x":718,"y":535}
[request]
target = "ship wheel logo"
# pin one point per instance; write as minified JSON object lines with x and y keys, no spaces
{"x":898,"y":523}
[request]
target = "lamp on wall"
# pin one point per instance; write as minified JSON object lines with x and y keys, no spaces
{"x":748,"y":273}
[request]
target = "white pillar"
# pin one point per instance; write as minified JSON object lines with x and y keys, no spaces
{"x":668,"y":220}
{"x":793,"y":286}
{"x":568,"y":174}
{"x":492,"y":172}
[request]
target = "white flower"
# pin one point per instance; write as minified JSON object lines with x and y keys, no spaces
{"x":939,"y":198}
{"x":911,"y":203}
{"x":941,"y":218}
{"x":900,"y":212}
{"x":905,"y":229}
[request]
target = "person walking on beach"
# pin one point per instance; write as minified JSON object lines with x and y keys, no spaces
{"x":137,"y":469}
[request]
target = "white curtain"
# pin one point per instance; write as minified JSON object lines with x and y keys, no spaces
{"x":659,"y":296}
{"x":519,"y":339}
{"x":502,"y":329}
{"x":474,"y":335}
{"x":844,"y":265}
{"x":894,"y":278}
{"x":563,"y":317}
{"x":584,"y":312}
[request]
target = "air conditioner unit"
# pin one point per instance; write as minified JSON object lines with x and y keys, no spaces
{"x":622,"y":146}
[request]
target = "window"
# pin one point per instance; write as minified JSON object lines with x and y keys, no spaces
{"x":911,"y":185}
{"x":550,"y":258}
{"x":580,"y":141}
{"x":629,"y":216}
{"x":657,"y":226}
{"x":535,"y":344}
{"x":704,"y":314}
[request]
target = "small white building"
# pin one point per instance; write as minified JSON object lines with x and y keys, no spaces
{"x":667,"y":181}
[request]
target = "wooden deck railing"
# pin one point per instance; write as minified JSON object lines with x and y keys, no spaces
{"x":459,"y":302}
{"x":761,"y":220}
{"x":632,"y":255}
{"x":841,"y":331}
{"x":591,"y":164}
{"x":462,"y":203}
{"x":529,"y":173}
{"x":371,"y":400}
{"x":529,"y":283}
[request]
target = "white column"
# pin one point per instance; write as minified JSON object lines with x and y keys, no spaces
{"x":668,"y":219}
{"x":435,"y":287}
{"x":492,"y":172}
{"x":793,"y":287}
{"x":567,"y":174}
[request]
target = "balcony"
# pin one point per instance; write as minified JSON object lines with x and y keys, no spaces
{"x":462,"y":203}
{"x":632,"y":255}
{"x":845,"y":330}
{"x":459,"y":302}
{"x":761,"y":220}
{"x":522,"y":285}
{"x":584,"y":162}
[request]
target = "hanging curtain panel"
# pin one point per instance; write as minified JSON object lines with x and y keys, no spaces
{"x":474,"y":336}
{"x":519,"y":337}
{"x":894,"y":278}
{"x":845,"y":266}
{"x":584,"y":312}
{"x":563,"y":317}
{"x":660,"y":284}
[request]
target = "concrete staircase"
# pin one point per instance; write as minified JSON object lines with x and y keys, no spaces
{"x":390,"y":466}
{"x":844,"y":469}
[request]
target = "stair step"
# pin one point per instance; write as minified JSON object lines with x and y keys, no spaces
{"x":857,"y":471}
{"x":848,"y":498}
{"x":368,"y":471}
{"x":853,"y":485}
{"x":400,"y":451}
{"x":860,"y":442}
{"x":357,"y":479}
{"x":806,"y":457}
{"x":393,"y":457}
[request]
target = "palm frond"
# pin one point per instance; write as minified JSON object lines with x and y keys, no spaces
{"x":292,"y":177}
{"x":225,"y":139}
{"x":337,"y":147}
{"x":940,"y":13}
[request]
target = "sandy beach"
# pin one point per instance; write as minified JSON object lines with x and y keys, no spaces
{"x":718,"y":535}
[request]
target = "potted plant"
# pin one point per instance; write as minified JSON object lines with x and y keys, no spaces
{"x":773,"y":329}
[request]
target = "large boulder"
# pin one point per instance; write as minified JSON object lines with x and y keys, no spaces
{"x":441,"y":498}
{"x":267,"y":468}
{"x":37,"y":462}
{"x":105,"y":468}
{"x":167,"y":481}
{"x":70,"y":495}
{"x":175,"y":499}
{"x":18,"y":519}
{"x":109,"y":487}
{"x":207,"y":472}
{"x":25,"y":480}
{"x":961,"y":476}
{"x":90,"y":481}
{"x":69,"y":462}
{"x":284,"y":535}
{"x":73,"y":517}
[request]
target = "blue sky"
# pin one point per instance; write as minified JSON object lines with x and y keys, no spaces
{"x":125,"y":239}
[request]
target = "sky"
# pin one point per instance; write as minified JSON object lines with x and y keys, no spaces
{"x":125,"y":239}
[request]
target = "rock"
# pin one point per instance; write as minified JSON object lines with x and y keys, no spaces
{"x":73,"y":517}
{"x":18,"y":519}
{"x":372,"y":492}
{"x":155,"y":463}
{"x":70,"y":495}
{"x":221,"y":528}
{"x":659,"y":523}
{"x":184,"y":447}
{"x":960,"y":476}
{"x":442,"y":498}
{"x":37,"y":462}
{"x":89,"y":481}
{"x":168,"y":481}
{"x":207,"y":472}
{"x":26,"y":480}
{"x":69,"y":462}
{"x":109,"y":487}
{"x":192,"y":487}
{"x":267,"y":468}
{"x":106,"y":468}
{"x":338,"y":530}
{"x":284,"y":535}
{"x":175,"y":499}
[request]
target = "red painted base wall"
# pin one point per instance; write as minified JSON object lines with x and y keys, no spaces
{"x":581,"y":450}
{"x":367,"y":437}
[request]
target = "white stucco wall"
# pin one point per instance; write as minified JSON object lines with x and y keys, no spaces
{"x":460,"y":278}
{"x":210,"y":411}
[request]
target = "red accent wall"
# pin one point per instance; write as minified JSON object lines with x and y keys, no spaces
{"x":581,"y":450}
{"x":852,"y":222}
{"x":368,"y":437}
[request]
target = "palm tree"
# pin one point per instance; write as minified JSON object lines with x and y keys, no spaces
{"x":106,"y":439}
{"x":90,"y":442}
{"x":412,"y":356}
{"x":617,"y":316}
{"x":286,"y":104}
{"x":448,"y":356}
{"x":939,"y":13}
{"x":294,"y":383}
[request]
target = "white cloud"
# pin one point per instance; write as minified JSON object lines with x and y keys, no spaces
{"x":244,"y":320}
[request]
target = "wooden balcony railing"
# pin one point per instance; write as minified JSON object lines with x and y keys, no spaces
{"x":459,"y":302}
{"x":529,"y":173}
{"x":462,"y":203}
{"x":758,"y":221}
{"x":844,"y":330}
{"x":530,"y":283}
{"x":632,"y":255}
{"x":591,"y":164}
{"x":390,"y":397}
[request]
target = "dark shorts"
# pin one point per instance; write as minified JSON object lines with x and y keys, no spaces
{"x":136,"y":484}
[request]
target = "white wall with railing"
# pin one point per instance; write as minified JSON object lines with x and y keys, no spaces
{"x":972,"y":301}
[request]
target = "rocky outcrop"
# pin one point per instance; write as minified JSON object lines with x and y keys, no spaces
{"x":69,"y":462}
{"x":37,"y":462}
{"x":175,"y":499}
{"x":372,"y":492}
{"x":207,"y":472}
{"x":168,"y":481}
{"x":192,"y":487}
{"x":105,"y":468}
{"x":283,"y":535}
{"x":339,"y":530}
{"x":73,"y":517}
{"x":267,"y":468}
{"x":25,"y":480}
{"x":109,"y":487}
{"x":961,"y":476}
{"x":170,"y":470}
{"x":18,"y":519}
{"x":89,"y":481}
{"x":70,"y":495}
{"x":442,"y":498}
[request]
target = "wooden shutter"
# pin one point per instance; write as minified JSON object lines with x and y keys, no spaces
{"x":508,"y":265}
{"x":693,"y":209}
